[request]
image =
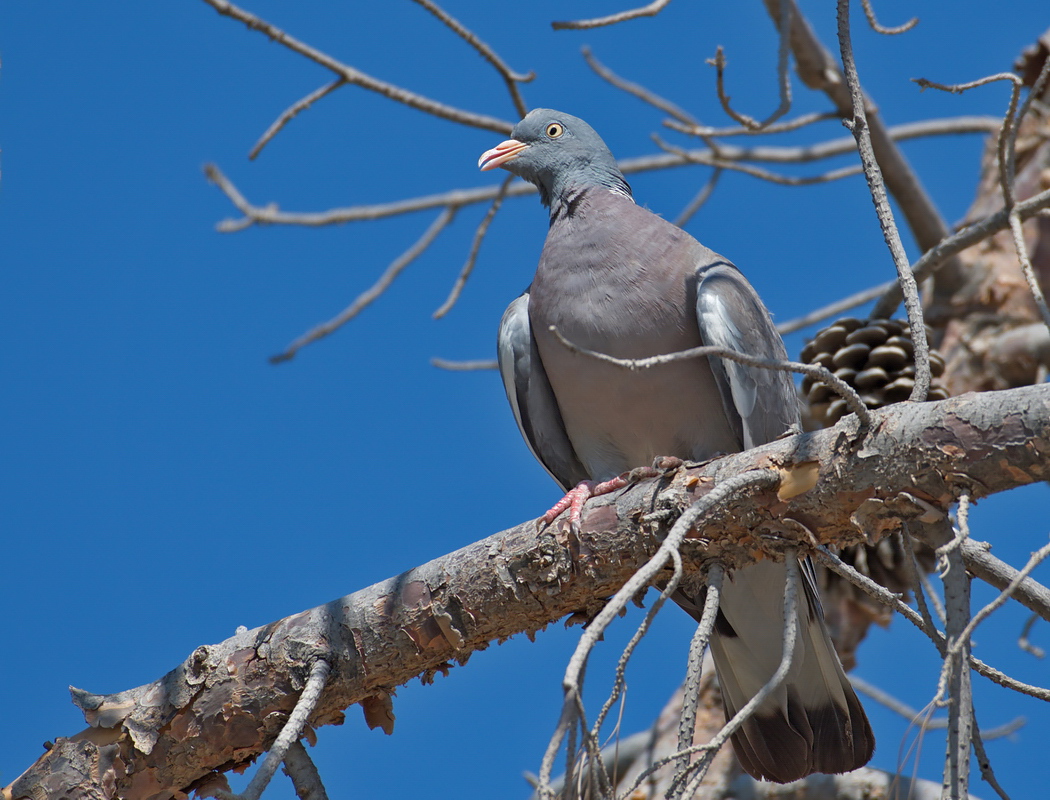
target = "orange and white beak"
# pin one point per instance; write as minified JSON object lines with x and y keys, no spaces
{"x":501,"y":154}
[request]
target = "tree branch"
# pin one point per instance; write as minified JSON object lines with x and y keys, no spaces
{"x":357,"y":77}
{"x":650,"y":10}
{"x":521,"y":580}
{"x":270,"y":214}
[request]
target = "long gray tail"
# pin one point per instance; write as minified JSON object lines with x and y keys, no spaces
{"x":813,"y":722}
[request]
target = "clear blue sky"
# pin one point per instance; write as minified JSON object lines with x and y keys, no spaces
{"x":163,"y":484}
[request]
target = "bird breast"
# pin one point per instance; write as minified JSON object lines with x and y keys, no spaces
{"x":627,"y":301}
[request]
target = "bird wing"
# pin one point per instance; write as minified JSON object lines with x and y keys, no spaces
{"x":532,"y":399}
{"x":762,"y":403}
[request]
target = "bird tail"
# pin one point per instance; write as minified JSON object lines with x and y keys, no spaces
{"x":813,"y":722}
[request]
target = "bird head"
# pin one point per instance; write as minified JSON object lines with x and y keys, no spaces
{"x":558,"y":153}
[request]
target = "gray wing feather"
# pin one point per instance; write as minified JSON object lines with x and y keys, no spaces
{"x":814,"y":721}
{"x":729,"y":313}
{"x":532,"y":399}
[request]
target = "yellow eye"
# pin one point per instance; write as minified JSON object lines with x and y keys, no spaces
{"x":554,"y":130}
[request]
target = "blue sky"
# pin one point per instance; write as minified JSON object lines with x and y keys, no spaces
{"x":164,"y":484}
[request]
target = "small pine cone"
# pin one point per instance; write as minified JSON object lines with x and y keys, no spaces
{"x":875,"y":357}
{"x":848,"y":611}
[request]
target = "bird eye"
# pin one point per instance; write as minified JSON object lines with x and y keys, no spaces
{"x":554,"y":130}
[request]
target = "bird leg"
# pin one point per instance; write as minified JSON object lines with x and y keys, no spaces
{"x":585,"y":490}
{"x":576,"y":497}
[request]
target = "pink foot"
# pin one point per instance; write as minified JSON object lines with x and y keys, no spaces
{"x":585,"y":490}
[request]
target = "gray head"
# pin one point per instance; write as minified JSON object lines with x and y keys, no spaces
{"x":559,"y":153}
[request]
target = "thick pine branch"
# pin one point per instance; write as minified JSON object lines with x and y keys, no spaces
{"x":227,"y":702}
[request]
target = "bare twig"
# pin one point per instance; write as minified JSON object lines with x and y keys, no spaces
{"x":888,"y":598}
{"x":1007,"y":147}
{"x":463,"y":366}
{"x":790,"y":635}
{"x":1029,"y":593}
{"x":719,"y":63}
{"x":1007,"y":682}
{"x":875,"y":590}
{"x":289,"y":114}
{"x":694,"y":668}
{"x":270,"y":215}
{"x":1005,"y":151}
{"x":1034,"y":560}
{"x":619,"y":682}
{"x":783,"y":57}
{"x":959,"y":88}
{"x":955,"y":682}
{"x":251,"y":215}
{"x":595,"y":760}
{"x":1026,"y":266}
{"x":783,"y":21}
{"x":835,"y":147}
{"x":616,"y":756}
{"x":919,"y":587}
{"x":920,"y":718}
{"x":935,"y":599}
{"x":961,"y":534}
{"x":869,"y":12}
{"x":289,"y":733}
{"x":805,"y":153}
{"x":713,"y":160}
{"x":301,"y":769}
{"x":650,"y":10}
{"x":637,"y":90}
{"x":983,"y":762}
{"x":933,"y":258}
{"x":572,"y":683}
{"x":475,"y":246}
{"x":802,"y":121}
{"x":1001,"y":731}
{"x":358,"y":78}
{"x":366,"y":297}
{"x":1008,"y":133}
{"x":873,"y":174}
{"x":897,"y":706}
{"x":699,"y":198}
{"x":694,"y":773}
{"x":1025,"y":643}
{"x":783,"y":79}
{"x":510,"y":77}
{"x":817,"y":372}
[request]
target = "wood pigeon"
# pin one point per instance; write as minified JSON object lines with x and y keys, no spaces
{"x":616,"y":278}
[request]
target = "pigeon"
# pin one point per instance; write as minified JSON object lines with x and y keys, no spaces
{"x":616,"y":278}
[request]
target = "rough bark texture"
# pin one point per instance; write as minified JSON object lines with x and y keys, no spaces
{"x":224,"y":705}
{"x":992,"y":335}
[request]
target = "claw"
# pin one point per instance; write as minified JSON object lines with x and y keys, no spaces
{"x":573,"y":500}
{"x":585,"y":490}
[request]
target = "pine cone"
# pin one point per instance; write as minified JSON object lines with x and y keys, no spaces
{"x":875,"y":357}
{"x":848,"y":611}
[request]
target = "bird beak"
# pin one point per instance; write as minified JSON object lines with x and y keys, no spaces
{"x":501,"y":154}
